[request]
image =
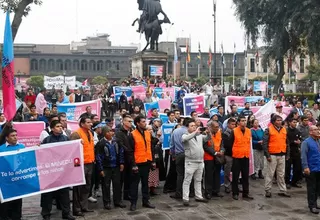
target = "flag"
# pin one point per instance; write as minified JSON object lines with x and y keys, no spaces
{"x":9,"y":99}
{"x":210,"y":57}
{"x":188,"y":52}
{"x":85,"y":83}
{"x":222,"y":56}
{"x":257,"y":57}
{"x":199,"y":55}
{"x":234,"y":55}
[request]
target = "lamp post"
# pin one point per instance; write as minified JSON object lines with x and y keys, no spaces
{"x":288,"y":29}
{"x":214,"y":39}
{"x":169,"y":29}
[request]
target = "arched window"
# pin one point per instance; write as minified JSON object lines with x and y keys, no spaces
{"x":67,"y":65}
{"x":108,"y":64}
{"x":34,"y":64}
{"x":42,"y":65}
{"x":59,"y":65}
{"x":92,"y":65}
{"x":76,"y":65}
{"x":84,"y":65}
{"x":100,"y":65}
{"x":51,"y":66}
{"x":118,"y":65}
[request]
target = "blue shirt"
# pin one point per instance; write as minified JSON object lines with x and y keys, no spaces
{"x":176,"y":141}
{"x":6,"y":147}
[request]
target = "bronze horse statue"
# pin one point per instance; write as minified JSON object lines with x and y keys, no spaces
{"x":149,"y":24}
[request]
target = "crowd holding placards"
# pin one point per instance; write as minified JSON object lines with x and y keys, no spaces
{"x":182,"y":134}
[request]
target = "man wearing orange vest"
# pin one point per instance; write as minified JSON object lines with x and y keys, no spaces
{"x":142,"y":162}
{"x":241,"y":146}
{"x":276,"y":149}
{"x":81,"y":193}
{"x":213,"y":148}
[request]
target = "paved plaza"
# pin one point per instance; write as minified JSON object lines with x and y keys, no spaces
{"x":261,"y":208}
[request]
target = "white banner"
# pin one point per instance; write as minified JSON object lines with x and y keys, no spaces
{"x":264,"y":113}
{"x":58,"y":81}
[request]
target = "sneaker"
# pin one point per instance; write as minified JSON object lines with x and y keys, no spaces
{"x":284,"y":194}
{"x":96,"y":194}
{"x":93,"y":200}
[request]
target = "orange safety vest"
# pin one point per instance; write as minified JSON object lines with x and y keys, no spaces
{"x":217,"y":138}
{"x":242,"y":143}
{"x":88,"y":146}
{"x":277,"y":140}
{"x":142,"y":146}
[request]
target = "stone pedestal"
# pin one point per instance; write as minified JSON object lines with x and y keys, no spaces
{"x":147,"y":63}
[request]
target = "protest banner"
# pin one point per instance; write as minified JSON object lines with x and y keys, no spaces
{"x":138,"y":92}
{"x":260,"y":86}
{"x":160,"y":91}
{"x":164,"y":104}
{"x":29,"y":132}
{"x":118,"y":90}
{"x":35,"y":170}
{"x":264,"y":114}
{"x":164,"y":118}
{"x":193,"y":103}
{"x":74,"y":110}
{"x":149,"y":106}
{"x":59,"y":81}
{"x":166,"y":132}
{"x":204,"y":121}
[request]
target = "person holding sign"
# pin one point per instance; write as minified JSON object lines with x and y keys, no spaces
{"x":12,"y":209}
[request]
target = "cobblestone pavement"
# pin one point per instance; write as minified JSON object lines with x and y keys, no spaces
{"x":260,"y":208}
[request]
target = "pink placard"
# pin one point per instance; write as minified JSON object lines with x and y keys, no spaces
{"x":29,"y":132}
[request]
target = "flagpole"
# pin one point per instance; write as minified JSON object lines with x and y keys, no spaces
{"x":187,"y":67}
{"x":210,"y":71}
{"x":198,"y":70}
{"x":222,"y":68}
{"x":233,"y":70}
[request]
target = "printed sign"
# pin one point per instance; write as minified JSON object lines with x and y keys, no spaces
{"x":29,"y":132}
{"x":166,"y":132}
{"x":74,"y":110}
{"x":156,"y":70}
{"x":58,"y":81}
{"x":194,"y":103}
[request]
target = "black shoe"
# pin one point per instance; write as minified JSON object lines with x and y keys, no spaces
{"x":186,"y":203}
{"x":296,"y":185}
{"x":86,"y":210}
{"x":208,"y":196}
{"x":284,"y":194}
{"x":247,"y":197}
{"x":127,"y":198}
{"x":78,"y":214}
{"x":260,"y":175}
{"x":148,"y":205}
{"x":120,"y":205}
{"x":253,"y":176}
{"x":217,"y":195}
{"x":227,"y":190}
{"x":153,"y":193}
{"x":165,"y":191}
{"x":69,"y":217}
{"x":268,"y":194}
{"x":235,"y":197}
{"x":133,"y":207}
{"x":201,"y":200}
{"x":314,"y":210}
{"x":288,"y":186}
{"x":107,"y":206}
{"x":47,"y":217}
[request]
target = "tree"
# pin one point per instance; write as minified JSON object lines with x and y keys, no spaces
{"x":36,"y":81}
{"x":99,"y":80}
{"x":286,"y":27}
{"x":20,"y":8}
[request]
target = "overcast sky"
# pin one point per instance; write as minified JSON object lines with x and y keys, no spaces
{"x":63,"y":21}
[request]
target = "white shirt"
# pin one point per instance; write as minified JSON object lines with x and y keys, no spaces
{"x":45,"y":134}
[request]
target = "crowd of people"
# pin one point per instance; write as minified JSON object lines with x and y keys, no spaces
{"x":127,"y":149}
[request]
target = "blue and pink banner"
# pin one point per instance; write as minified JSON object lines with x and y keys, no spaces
{"x":260,"y":86}
{"x":149,"y":106}
{"x":136,"y":91}
{"x":35,"y":170}
{"x":165,"y":92}
{"x":29,"y":132}
{"x":9,"y":99}
{"x":74,"y":110}
{"x":193,"y":103}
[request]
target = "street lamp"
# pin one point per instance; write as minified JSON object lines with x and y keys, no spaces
{"x":168,"y":32}
{"x":214,"y":38}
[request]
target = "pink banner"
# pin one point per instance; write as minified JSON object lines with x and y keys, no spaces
{"x":60,"y":164}
{"x":139,"y":92}
{"x":29,"y":132}
{"x":204,"y":121}
{"x":163,"y":104}
{"x":75,"y":110}
{"x":162,"y":85}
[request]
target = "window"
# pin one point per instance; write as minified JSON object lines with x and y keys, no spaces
{"x":51,"y":65}
{"x":42,"y":65}
{"x":84,"y":65}
{"x":76,"y":65}
{"x":100,"y":65}
{"x":59,"y":65}
{"x":34,"y":64}
{"x":118,"y":66}
{"x":67,"y":65}
{"x":92,"y":65}
{"x":108,"y":64}
{"x":252,"y":65}
{"x":301,"y":65}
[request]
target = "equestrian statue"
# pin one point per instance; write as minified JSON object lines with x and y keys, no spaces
{"x":149,"y":23}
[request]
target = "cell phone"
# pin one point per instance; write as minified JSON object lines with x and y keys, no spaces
{"x":203,"y":129}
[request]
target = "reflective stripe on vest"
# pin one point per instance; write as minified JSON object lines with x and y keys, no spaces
{"x":242,"y":143}
{"x":142,"y":146}
{"x":88,"y":146}
{"x":217,"y":138}
{"x":277,"y":140}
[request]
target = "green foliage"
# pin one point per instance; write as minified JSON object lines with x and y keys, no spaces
{"x":314,"y":71}
{"x":99,"y":80}
{"x":35,"y":81}
{"x":14,"y":5}
{"x":53,"y":74}
{"x":201,"y":80}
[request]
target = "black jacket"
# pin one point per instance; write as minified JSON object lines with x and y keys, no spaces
{"x":294,"y":134}
{"x":124,"y":139}
{"x":227,"y":142}
{"x":54,"y":138}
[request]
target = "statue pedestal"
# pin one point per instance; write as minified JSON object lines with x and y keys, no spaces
{"x":149,"y":63}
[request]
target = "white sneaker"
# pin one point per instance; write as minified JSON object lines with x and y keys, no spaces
{"x":93,"y":200}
